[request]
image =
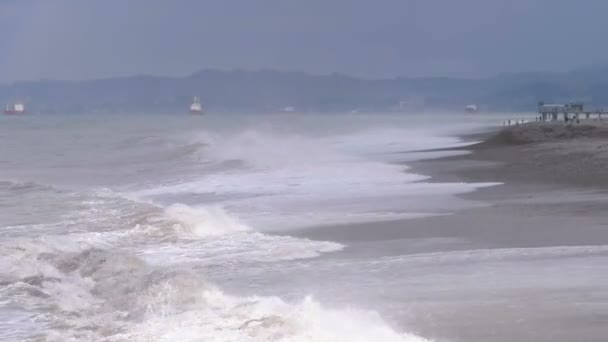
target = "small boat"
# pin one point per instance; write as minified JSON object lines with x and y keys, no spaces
{"x":15,"y":108}
{"x":196,"y":107}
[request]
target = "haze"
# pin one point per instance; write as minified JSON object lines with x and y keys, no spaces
{"x":74,"y":39}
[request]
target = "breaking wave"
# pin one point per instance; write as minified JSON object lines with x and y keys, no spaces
{"x":221,"y":317}
{"x":201,"y":222}
{"x":147,"y":266}
{"x":121,"y":283}
{"x":93,"y":294}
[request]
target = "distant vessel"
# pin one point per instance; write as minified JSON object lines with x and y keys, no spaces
{"x":471,"y":109}
{"x":15,"y":108}
{"x":196,"y":107}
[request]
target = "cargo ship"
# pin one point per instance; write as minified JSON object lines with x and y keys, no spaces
{"x":15,"y":108}
{"x":471,"y":108}
{"x":196,"y":107}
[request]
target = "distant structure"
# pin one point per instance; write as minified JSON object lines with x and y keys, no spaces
{"x":196,"y":107}
{"x":471,"y":108}
{"x":550,"y":112}
{"x":15,"y":108}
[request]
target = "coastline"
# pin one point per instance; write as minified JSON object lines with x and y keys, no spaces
{"x":552,"y":154}
{"x":532,"y":255}
{"x":550,"y":186}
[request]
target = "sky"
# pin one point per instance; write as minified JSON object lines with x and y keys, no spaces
{"x":85,"y":39}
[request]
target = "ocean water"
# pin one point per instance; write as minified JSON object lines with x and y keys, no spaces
{"x":178,"y":228}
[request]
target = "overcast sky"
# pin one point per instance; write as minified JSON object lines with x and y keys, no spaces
{"x":81,"y":39}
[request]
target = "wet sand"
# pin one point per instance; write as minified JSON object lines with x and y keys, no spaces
{"x":554,"y":196}
{"x":548,"y":188}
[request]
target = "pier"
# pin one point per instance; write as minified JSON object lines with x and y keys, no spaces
{"x":570,"y":111}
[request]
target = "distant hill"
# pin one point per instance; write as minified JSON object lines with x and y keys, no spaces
{"x":269,"y":90}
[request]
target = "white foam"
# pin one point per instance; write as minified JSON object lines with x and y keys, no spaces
{"x":498,"y":254}
{"x":235,"y":249}
{"x":219,"y":317}
{"x":105,"y":287}
{"x":208,"y":235}
{"x":17,"y":325}
{"x":323,"y":179}
{"x":389,"y":140}
{"x":204,"y":221}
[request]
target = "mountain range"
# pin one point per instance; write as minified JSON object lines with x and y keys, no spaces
{"x":271,"y":90}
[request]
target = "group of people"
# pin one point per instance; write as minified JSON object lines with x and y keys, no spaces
{"x":513,"y":122}
{"x":567,"y":119}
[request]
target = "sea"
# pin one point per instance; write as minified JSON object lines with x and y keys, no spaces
{"x":174,"y":227}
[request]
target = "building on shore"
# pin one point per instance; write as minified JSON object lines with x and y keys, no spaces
{"x":549,"y":112}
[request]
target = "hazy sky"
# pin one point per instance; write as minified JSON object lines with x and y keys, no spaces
{"x":76,"y":39}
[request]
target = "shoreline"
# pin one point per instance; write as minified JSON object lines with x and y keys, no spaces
{"x":525,"y":266}
{"x":547,"y":205}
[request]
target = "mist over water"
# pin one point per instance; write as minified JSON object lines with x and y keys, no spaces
{"x":164,"y":228}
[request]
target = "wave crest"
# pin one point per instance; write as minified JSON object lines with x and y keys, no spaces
{"x":217,"y":316}
{"x":110,"y":295}
{"x":203,"y":221}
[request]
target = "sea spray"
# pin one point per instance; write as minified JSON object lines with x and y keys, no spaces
{"x":203,"y":221}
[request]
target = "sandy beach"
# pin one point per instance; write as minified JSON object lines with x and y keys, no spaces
{"x":549,"y":220}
